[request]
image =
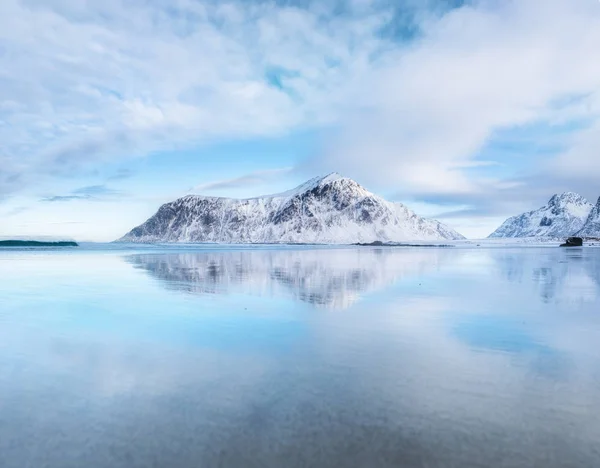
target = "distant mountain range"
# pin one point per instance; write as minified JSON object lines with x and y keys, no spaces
{"x":564,"y":215}
{"x":324,"y":210}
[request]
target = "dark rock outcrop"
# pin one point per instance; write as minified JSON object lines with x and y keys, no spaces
{"x":573,"y":242}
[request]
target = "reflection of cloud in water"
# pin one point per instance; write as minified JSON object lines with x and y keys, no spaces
{"x":330,"y":278}
{"x":511,"y":336}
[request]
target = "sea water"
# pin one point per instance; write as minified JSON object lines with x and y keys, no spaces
{"x":123,"y":356}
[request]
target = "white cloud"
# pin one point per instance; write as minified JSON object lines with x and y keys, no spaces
{"x":436,"y":103}
{"x":582,"y":158}
{"x":86,"y":82}
{"x":251,"y":179}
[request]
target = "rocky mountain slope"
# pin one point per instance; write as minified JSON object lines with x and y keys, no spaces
{"x":327,"y":210}
{"x":563,"y":215}
{"x":591,"y":228}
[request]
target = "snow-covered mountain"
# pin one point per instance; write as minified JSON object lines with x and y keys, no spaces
{"x":591,"y":228}
{"x":327,"y":210}
{"x":564,"y":215}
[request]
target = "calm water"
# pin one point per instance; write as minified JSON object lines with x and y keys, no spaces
{"x":300,"y":358}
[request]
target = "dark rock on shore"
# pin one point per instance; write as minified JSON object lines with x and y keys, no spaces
{"x":573,"y":242}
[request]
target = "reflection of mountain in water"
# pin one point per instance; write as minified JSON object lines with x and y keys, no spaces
{"x":331,"y":278}
{"x":566,"y":274}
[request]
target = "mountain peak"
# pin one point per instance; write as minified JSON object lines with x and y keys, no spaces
{"x":304,"y":187}
{"x":326,"y":179}
{"x":333,"y":176}
{"x":567,"y":198}
{"x":321,"y":181}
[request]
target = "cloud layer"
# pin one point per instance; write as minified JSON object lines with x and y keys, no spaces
{"x":252,"y":179}
{"x":436,"y":106}
{"x":88,"y":82}
{"x":422,"y":98}
{"x":92,"y":192}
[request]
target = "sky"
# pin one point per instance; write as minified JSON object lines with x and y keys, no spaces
{"x":468,"y":112}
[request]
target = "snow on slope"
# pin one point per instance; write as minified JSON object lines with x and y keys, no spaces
{"x":327,"y":210}
{"x":564,"y":215}
{"x":591,"y":227}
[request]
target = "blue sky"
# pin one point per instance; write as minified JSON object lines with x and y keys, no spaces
{"x":466,"y":111}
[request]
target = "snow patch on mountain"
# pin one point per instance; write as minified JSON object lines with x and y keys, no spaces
{"x":563,"y":215}
{"x":326,"y":210}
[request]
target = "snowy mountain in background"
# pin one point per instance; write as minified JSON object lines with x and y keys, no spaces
{"x":325,"y":210}
{"x":564,"y":215}
{"x":591,"y":227}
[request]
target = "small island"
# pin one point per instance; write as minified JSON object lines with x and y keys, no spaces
{"x":31,"y":243}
